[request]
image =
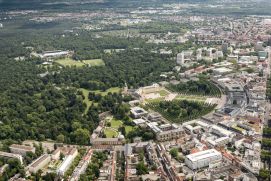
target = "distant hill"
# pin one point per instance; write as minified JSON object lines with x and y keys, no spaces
{"x":45,"y":4}
{"x":96,"y":4}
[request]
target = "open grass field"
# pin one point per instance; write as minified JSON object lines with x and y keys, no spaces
{"x":86,"y":100}
{"x":86,"y":92}
{"x":110,"y":133}
{"x":196,"y":98}
{"x":94,"y":62}
{"x":68,"y":62}
{"x":122,"y":33}
{"x":163,"y":92}
{"x":191,"y":98}
{"x":128,"y":129}
{"x":116,"y":123}
{"x":155,"y":100}
{"x":112,"y":90}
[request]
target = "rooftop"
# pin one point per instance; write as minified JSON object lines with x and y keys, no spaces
{"x":139,"y":121}
{"x":39,"y":160}
{"x":203,"y":155}
{"x":138,"y":110}
{"x":21,"y":147}
{"x":56,"y":151}
{"x":65,"y":163}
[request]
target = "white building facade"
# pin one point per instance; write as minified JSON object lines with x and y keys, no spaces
{"x":202,"y":159}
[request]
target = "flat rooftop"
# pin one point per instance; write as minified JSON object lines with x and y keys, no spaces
{"x":39,"y":160}
{"x":222,"y":130}
{"x":139,"y":121}
{"x":138,"y":110}
{"x":21,"y":147}
{"x":235,"y":88}
{"x":203,"y":155}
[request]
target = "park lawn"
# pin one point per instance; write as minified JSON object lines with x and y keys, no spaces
{"x":110,"y":133}
{"x":163,"y":92}
{"x":118,"y":32}
{"x":116,"y":123}
{"x":155,"y":100}
{"x":67,"y":62}
{"x":112,"y":90}
{"x":191,"y":98}
{"x":128,"y":129}
{"x":86,"y":100}
{"x":86,"y":92}
{"x":94,"y":62}
{"x":70,"y":62}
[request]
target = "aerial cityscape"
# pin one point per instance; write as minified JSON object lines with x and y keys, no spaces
{"x":135,"y":90}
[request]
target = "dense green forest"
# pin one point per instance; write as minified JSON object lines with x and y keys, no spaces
{"x":52,"y":107}
{"x":135,"y":67}
{"x":13,"y":167}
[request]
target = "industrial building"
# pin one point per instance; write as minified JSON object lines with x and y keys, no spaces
{"x":56,"y":154}
{"x":202,"y":159}
{"x":39,"y":163}
{"x":65,"y":165}
{"x":53,"y":54}
{"x":12,"y":155}
{"x":21,"y":149}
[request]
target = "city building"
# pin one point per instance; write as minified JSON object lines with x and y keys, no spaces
{"x":39,"y":163}
{"x":139,"y":121}
{"x":137,"y":112}
{"x":148,"y":89}
{"x":67,"y":162}
{"x":21,"y":149}
{"x":184,"y":56}
{"x":65,"y":165}
{"x":219,"y":141}
{"x":54,"y":54}
{"x":154,"y":117}
{"x":221,"y":131}
{"x":166,"y":132}
{"x":225,"y":48}
{"x":107,"y":141}
{"x":202,"y":159}
{"x":259,"y":46}
{"x":262,"y":55}
{"x":56,"y":154}
{"x":82,"y":166}
{"x":12,"y":155}
{"x":222,"y":70}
